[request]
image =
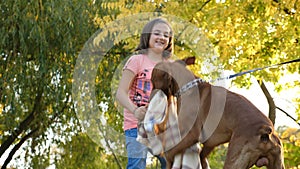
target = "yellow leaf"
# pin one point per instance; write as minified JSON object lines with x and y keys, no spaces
{"x":292,"y":138}
{"x":1,"y":108}
{"x":297,"y":143}
{"x":273,"y":69}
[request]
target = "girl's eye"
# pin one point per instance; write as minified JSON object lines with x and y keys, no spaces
{"x":164,"y":35}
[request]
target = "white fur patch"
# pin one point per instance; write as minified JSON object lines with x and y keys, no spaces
{"x":156,"y":111}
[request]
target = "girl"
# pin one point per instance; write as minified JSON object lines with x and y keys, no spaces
{"x":156,"y":45}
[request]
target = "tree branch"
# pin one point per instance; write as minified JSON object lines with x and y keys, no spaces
{"x":16,"y":147}
{"x":5,"y":145}
{"x":288,"y":115}
{"x":205,"y":3}
{"x":24,"y":125}
{"x":200,"y":9}
{"x":272,"y":114}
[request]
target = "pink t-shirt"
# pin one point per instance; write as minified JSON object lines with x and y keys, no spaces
{"x":140,"y":90}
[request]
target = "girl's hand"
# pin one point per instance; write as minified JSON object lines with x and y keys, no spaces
{"x":140,"y":112}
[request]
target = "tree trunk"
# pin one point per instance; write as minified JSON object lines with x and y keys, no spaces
{"x":16,"y":148}
{"x":272,"y":107}
{"x":24,"y":125}
{"x":15,"y":134}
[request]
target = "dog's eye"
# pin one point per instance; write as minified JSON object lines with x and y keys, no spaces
{"x":264,"y":138}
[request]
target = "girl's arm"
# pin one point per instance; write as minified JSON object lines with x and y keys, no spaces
{"x":123,"y":97}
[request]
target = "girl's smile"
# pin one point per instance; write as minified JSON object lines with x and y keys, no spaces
{"x":159,"y":38}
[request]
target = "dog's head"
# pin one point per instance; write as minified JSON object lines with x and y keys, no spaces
{"x":271,"y":146}
{"x":166,"y":75}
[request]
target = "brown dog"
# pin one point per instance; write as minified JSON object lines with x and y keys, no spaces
{"x":215,"y":115}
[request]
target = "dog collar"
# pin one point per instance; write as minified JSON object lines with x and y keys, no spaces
{"x":188,"y":86}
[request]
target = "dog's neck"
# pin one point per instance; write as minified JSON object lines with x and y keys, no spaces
{"x":188,"y":86}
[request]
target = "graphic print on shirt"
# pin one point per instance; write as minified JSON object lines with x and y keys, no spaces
{"x":143,"y":88}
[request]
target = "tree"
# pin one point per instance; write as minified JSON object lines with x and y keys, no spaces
{"x":41,"y":42}
{"x":91,"y":155}
{"x":252,"y":35}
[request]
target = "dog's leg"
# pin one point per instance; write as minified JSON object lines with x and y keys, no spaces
{"x":177,"y":161}
{"x":185,"y":143}
{"x":203,"y":156}
{"x":169,"y":165}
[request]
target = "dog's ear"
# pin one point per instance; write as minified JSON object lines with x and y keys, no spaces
{"x":173,"y":87}
{"x":187,"y":61}
{"x":169,"y":80}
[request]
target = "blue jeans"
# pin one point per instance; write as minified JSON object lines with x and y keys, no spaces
{"x":137,"y":152}
{"x":163,"y":162}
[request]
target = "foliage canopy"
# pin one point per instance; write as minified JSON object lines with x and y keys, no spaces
{"x":42,"y":41}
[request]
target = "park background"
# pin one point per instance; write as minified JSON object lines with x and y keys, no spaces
{"x":42,"y":39}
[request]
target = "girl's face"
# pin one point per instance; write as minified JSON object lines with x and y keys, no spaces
{"x":159,"y":38}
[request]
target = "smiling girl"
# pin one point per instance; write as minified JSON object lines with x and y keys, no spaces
{"x":156,"y":45}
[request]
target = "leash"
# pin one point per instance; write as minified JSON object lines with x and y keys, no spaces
{"x":197,"y":81}
{"x":254,"y":70}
